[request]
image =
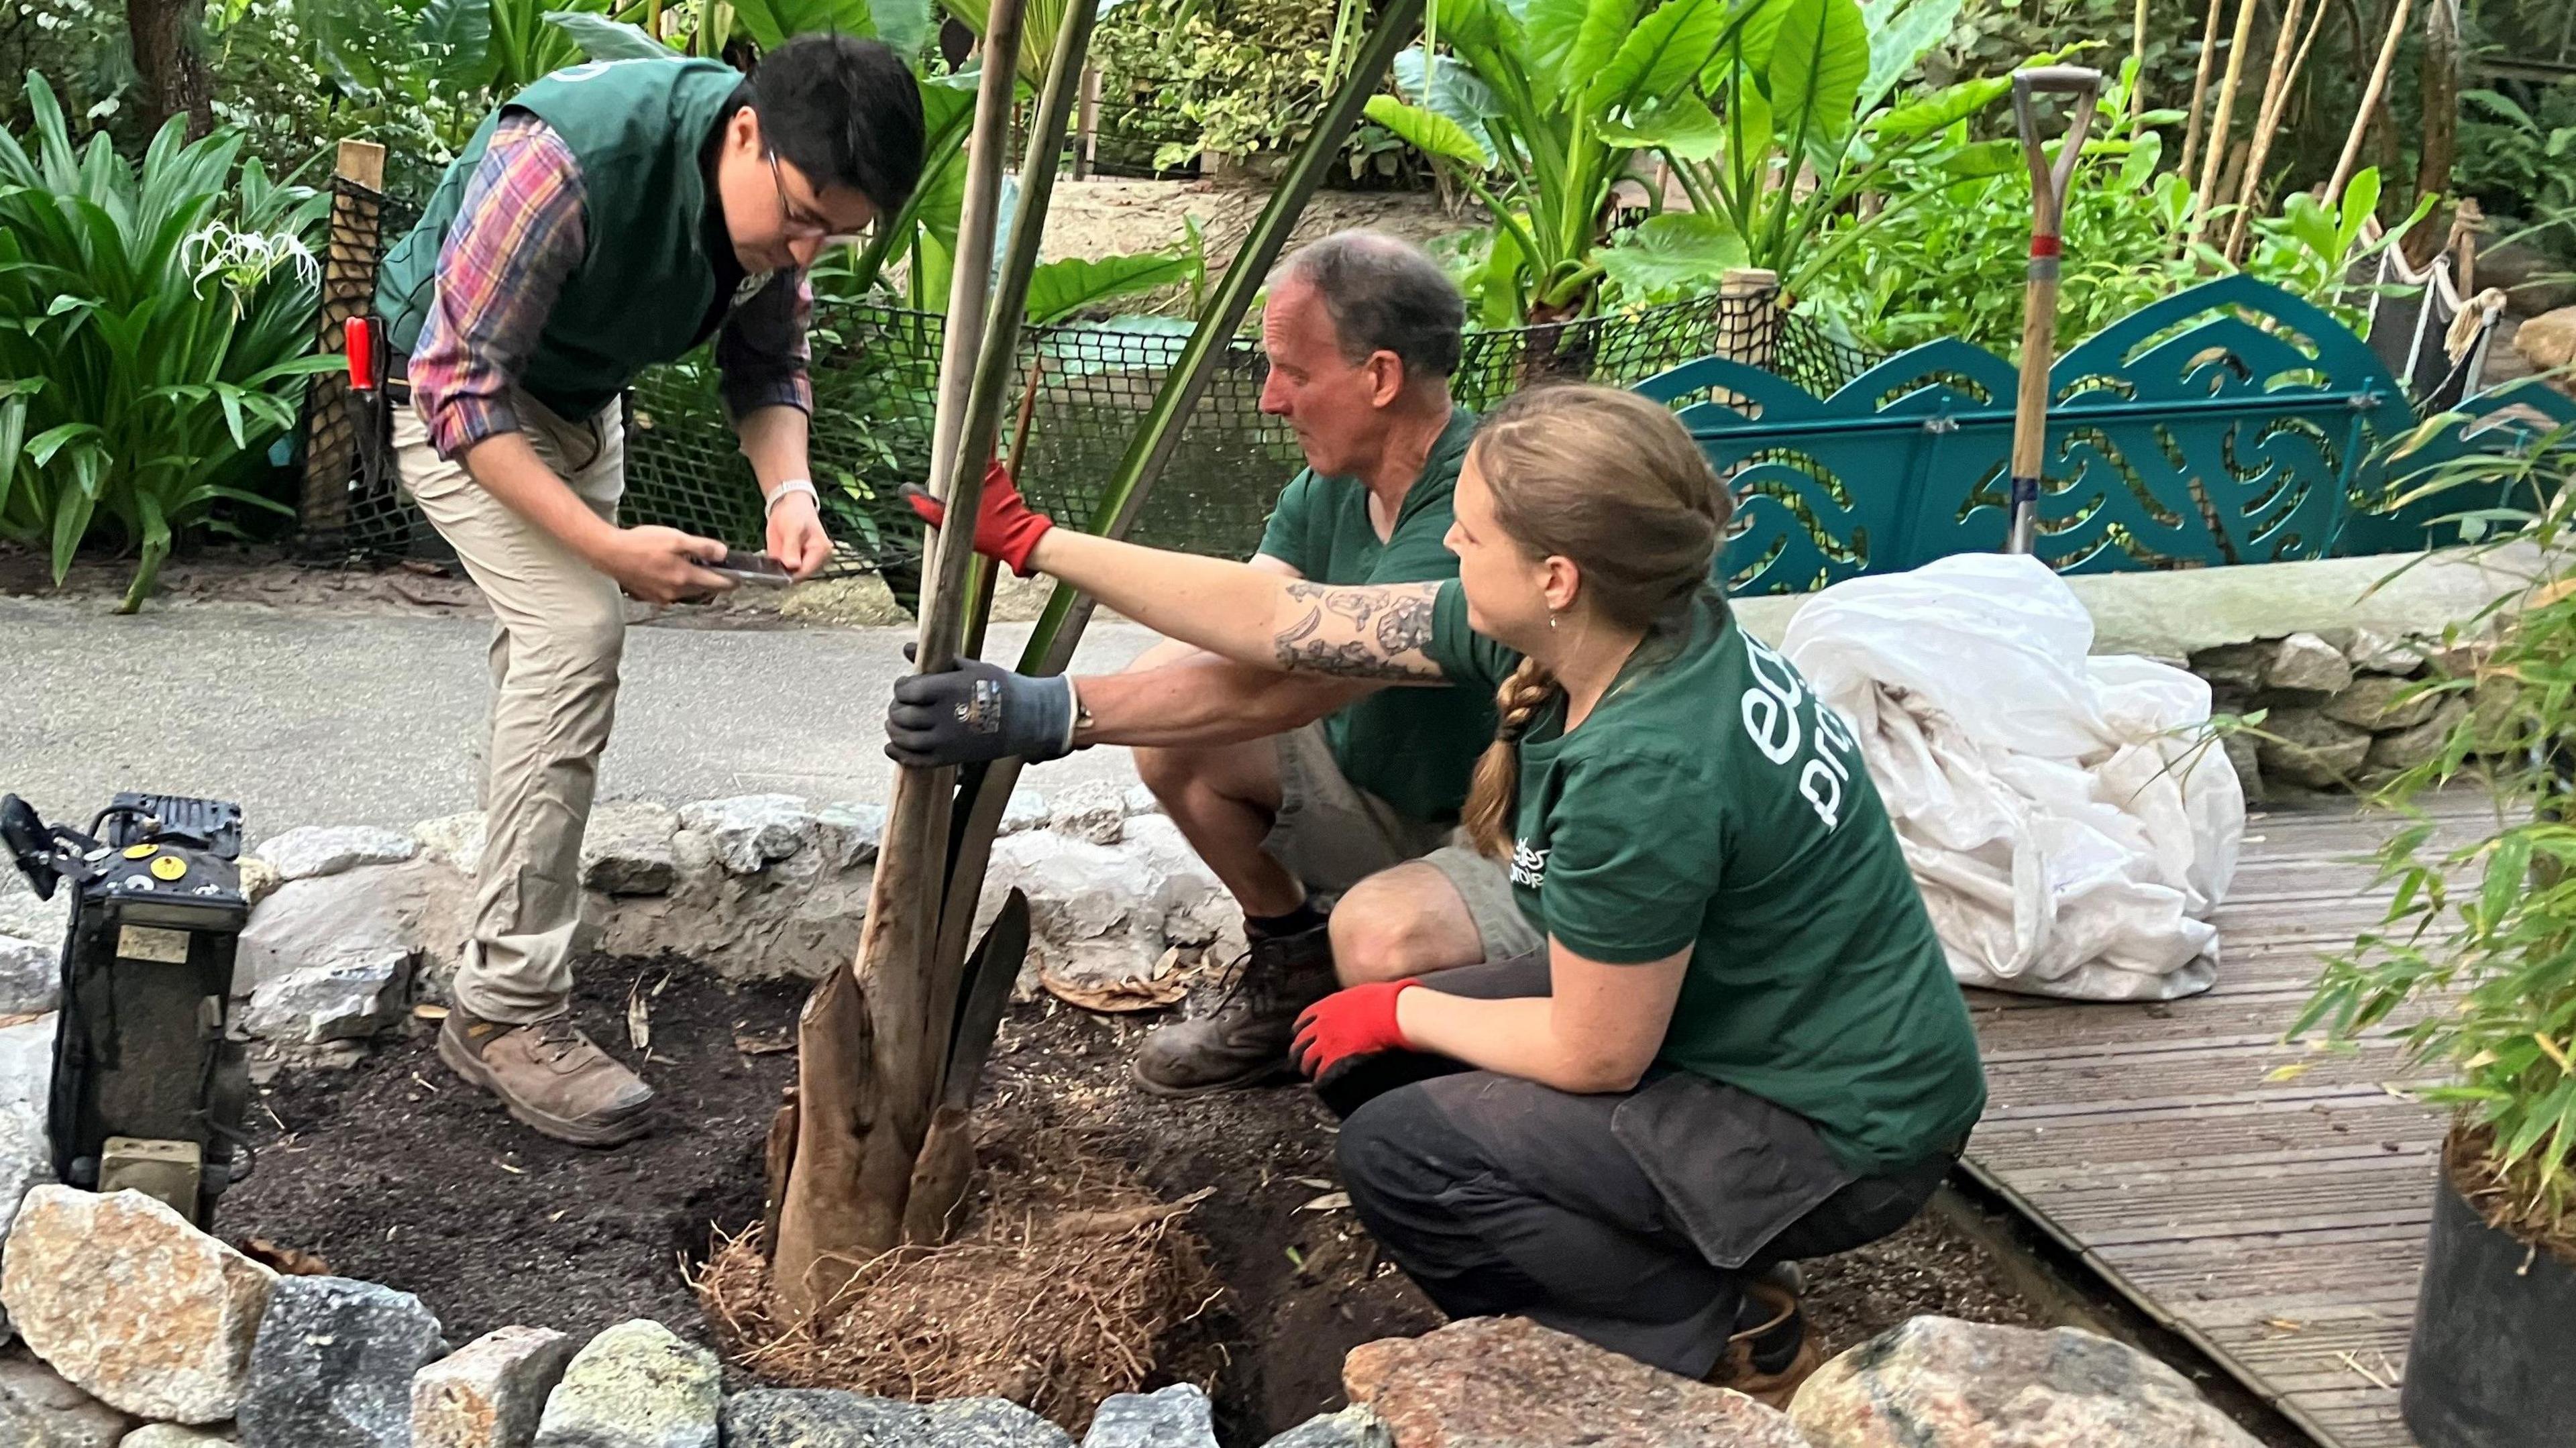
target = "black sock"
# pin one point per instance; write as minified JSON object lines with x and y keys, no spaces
{"x":1296,"y":922}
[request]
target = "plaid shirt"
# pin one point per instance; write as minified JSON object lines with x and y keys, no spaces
{"x":517,"y":237}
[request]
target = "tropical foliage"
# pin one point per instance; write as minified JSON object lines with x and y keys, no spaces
{"x":1767,"y":114}
{"x":155,"y":321}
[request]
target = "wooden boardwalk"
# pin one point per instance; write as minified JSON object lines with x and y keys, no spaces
{"x":2278,"y":1225}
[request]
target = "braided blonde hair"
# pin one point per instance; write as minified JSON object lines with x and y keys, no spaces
{"x":1612,"y":483}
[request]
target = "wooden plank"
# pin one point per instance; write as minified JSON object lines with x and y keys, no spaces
{"x":2277,"y":1221}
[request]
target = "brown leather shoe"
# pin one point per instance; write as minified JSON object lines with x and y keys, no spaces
{"x":550,"y":1076}
{"x":1242,"y":1040}
{"x":1769,"y":1342}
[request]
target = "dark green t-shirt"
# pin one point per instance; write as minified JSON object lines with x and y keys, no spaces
{"x":1413,"y":748}
{"x":1711,"y":800}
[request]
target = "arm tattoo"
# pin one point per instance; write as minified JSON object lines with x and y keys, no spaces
{"x":1361,"y":633}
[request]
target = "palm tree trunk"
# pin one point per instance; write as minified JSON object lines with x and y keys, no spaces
{"x":172,"y":74}
{"x":2441,"y":93}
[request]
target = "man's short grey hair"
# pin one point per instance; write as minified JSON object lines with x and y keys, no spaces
{"x":1384,"y":294}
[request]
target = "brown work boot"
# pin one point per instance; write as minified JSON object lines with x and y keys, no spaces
{"x":550,"y":1076}
{"x":1767,"y":1361}
{"x":1243,"y":1039}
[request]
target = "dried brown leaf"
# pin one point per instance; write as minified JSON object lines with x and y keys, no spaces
{"x":1117,"y":997}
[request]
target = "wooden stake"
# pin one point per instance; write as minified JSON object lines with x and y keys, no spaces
{"x":1086,"y":129}
{"x":2206,"y":193}
{"x":356,"y":249}
{"x":2351,"y":158}
{"x":2200,"y":85}
{"x":2267,"y":122}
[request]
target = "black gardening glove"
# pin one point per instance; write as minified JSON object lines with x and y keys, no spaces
{"x":977,"y":711}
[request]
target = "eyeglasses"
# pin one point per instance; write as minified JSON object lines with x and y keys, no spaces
{"x":799,"y":223}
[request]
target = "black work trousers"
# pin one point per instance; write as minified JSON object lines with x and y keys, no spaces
{"x":1632,"y":1220}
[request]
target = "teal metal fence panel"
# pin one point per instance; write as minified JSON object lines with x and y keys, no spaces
{"x":2229,"y":423}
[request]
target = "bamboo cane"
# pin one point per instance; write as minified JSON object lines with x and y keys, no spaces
{"x":2370,"y":95}
{"x":2206,"y":192}
{"x":842,"y":1190}
{"x":2200,"y":84}
{"x":2138,"y":63}
{"x":1059,"y":628}
{"x":2267,"y":121}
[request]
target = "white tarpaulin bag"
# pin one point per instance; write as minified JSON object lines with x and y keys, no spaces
{"x":2070,"y":832}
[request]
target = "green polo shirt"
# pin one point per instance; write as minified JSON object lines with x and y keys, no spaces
{"x":1710,"y":801}
{"x":1413,"y":748}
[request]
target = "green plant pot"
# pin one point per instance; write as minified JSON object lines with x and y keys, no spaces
{"x":2488,"y":1363}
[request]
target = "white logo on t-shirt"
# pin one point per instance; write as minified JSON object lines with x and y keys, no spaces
{"x":1529,"y":867}
{"x":1771,"y":718}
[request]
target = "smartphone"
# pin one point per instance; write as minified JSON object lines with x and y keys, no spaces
{"x":753,"y":569}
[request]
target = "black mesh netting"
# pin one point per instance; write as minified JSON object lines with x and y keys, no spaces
{"x":875,"y":374}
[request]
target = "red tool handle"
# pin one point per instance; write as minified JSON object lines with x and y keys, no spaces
{"x":358,"y":338}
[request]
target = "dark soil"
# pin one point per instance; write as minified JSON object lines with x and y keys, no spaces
{"x":392,"y":1171}
{"x":396,"y":1172}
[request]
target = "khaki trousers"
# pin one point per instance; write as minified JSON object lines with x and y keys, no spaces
{"x":560,"y":627}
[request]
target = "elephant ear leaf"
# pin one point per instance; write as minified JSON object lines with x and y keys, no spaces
{"x":1684,"y":126}
{"x":1819,"y":61}
{"x":602,"y":38}
{"x":1429,"y":132}
{"x":1660,"y":57}
{"x":1570,"y":40}
{"x":1672,"y":254}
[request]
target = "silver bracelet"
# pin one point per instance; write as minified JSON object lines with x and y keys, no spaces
{"x":792,"y":485}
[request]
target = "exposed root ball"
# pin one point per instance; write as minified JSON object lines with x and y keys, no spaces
{"x":1069,"y":1284}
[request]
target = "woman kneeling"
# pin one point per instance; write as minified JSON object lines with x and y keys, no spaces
{"x":1727,"y":1038}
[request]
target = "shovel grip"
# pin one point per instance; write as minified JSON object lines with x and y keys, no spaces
{"x":2048,"y":183}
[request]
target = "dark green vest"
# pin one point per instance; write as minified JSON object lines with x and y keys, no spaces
{"x":642,"y":292}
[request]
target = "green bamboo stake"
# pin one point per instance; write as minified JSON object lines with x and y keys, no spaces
{"x":1059,"y":628}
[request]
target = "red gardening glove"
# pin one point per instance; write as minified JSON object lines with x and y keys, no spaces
{"x":1359,"y":1021}
{"x":1006,"y":527}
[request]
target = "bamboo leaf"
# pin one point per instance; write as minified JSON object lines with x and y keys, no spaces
{"x":2508,"y":875}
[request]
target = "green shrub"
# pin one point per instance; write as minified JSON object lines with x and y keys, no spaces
{"x":1187,"y":78}
{"x":2521,"y":160}
{"x":1946,"y":257}
{"x":156,"y":325}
